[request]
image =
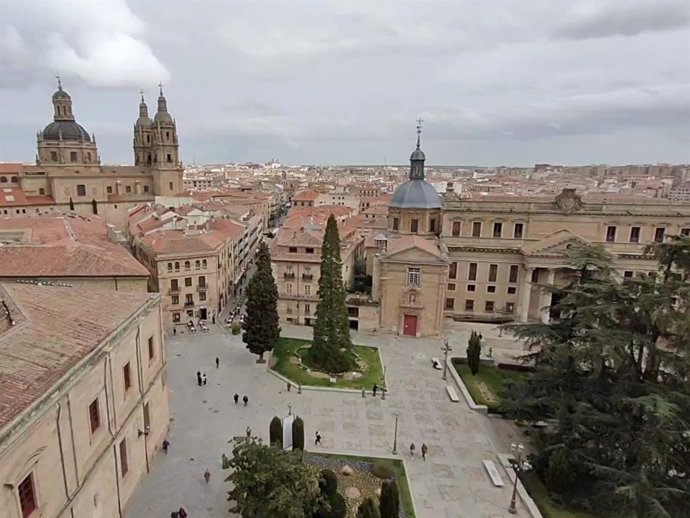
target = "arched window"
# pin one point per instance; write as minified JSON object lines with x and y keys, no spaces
{"x":15,"y":179}
{"x":203,"y":263}
{"x":170,"y":267}
{"x":88,"y":157}
{"x":197,"y":265}
{"x":413,"y":298}
{"x":169,"y":158}
{"x":187,"y":265}
{"x":177,"y":266}
{"x":3,"y":179}
{"x":148,"y":139}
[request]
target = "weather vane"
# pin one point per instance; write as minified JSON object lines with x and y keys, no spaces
{"x":59,"y":81}
{"x":419,"y":129}
{"x":160,"y":86}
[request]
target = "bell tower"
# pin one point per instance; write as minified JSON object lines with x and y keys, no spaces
{"x":143,"y":135}
{"x":165,"y":162}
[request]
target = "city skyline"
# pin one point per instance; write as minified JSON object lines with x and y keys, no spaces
{"x":342,"y":84}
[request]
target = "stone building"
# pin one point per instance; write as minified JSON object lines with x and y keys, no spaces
{"x":84,"y":402}
{"x":68,"y":173}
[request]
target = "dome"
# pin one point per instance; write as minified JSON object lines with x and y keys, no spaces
{"x":144,"y":121}
{"x":417,"y":154}
{"x":162,"y":117}
{"x":60,"y":94}
{"x":70,"y":130}
{"x":416,"y":194}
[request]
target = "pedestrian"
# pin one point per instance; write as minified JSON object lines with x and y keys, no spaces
{"x":214,"y":319}
{"x":198,"y":377}
{"x":174,"y":514}
{"x":374,"y":389}
{"x":317,"y":440}
{"x":182,"y":513}
{"x":174,"y":331}
{"x":491,"y":352}
{"x":249,"y":433}
{"x":245,"y":400}
{"x":412,"y":447}
{"x":481,"y":337}
{"x":166,"y":445}
{"x":207,"y":475}
{"x":363,"y":393}
{"x":424,"y":450}
{"x":217,"y":362}
{"x":236,"y":397}
{"x":205,"y":380}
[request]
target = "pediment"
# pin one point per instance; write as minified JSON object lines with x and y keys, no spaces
{"x":414,"y":253}
{"x":555,"y":245}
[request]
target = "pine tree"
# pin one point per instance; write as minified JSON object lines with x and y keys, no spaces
{"x":390,"y":500}
{"x":368,"y":509}
{"x":332,"y":347}
{"x":260,"y":326}
{"x":474,"y":351}
{"x":275,"y":432}
{"x":298,"y":434}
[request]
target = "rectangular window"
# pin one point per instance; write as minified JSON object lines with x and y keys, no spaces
{"x":170,"y":185}
{"x":307,"y":289}
{"x":146,"y":188}
{"x":610,"y":234}
{"x":288,"y":288}
{"x":176,"y":318}
{"x":498,"y":229}
{"x":685,"y":232}
{"x":512,"y":290}
{"x":453,"y":270}
{"x":414,"y":225}
{"x":513,"y":273}
{"x":173,"y":285}
{"x":109,"y":189}
{"x":432,"y":225}
{"x":53,"y":156}
{"x":202,"y":281}
{"x":27,"y":496}
{"x":73,"y":156}
{"x":627,"y":274}
{"x":147,"y":417}
{"x":535,"y":275}
{"x":396,"y":223}
{"x":471,"y":287}
{"x":152,"y":350}
{"x":128,"y":188}
{"x":124,"y":465}
{"x":292,"y":250}
{"x":450,"y":303}
{"x":469,"y":305}
{"x":456,"y":228}
{"x":189,"y":299}
{"x":472,"y":272}
{"x":188,"y":281}
{"x":451,"y":287}
{"x":489,"y":306}
{"x":491,"y":288}
{"x":308,"y":250}
{"x":353,"y":312}
{"x":127,"y":375}
{"x":517,"y":230}
{"x":94,"y":416}
{"x":477,"y":229}
{"x":510,"y":307}
{"x":634,"y":234}
{"x":493,"y":272}
{"x":413,"y":276}
{"x":202,"y":295}
{"x":659,"y":234}
{"x":81,"y":190}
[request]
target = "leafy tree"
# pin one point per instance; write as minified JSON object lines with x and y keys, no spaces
{"x":260,"y":325}
{"x":474,"y":351}
{"x":298,"y":434}
{"x":275,"y":432}
{"x":332,"y":347}
{"x":390,"y":499}
{"x":368,"y":509}
{"x":612,"y":374}
{"x":271,"y":482}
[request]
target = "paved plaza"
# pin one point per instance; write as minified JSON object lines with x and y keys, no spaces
{"x":452,"y":483}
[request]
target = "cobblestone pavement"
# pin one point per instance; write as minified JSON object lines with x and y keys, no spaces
{"x":452,"y":483}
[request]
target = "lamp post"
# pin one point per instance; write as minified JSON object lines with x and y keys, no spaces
{"x":395,"y":436}
{"x":517,"y":450}
{"x":446,"y":348}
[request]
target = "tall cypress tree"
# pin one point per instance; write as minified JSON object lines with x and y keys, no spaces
{"x":390,"y":499}
{"x":260,"y":326}
{"x":332,"y":346}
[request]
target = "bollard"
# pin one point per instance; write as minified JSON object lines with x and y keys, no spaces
{"x":383,"y":393}
{"x":299,"y":388}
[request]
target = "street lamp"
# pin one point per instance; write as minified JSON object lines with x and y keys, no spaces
{"x":395,"y":437}
{"x":517,"y":450}
{"x":446,"y":349}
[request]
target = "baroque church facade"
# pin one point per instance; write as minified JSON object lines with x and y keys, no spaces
{"x":68,"y":173}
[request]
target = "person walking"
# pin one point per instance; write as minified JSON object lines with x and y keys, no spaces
{"x":217,"y":362}
{"x":166,"y":445}
{"x":198,"y":377}
{"x":182,"y":513}
{"x":412,"y":448}
{"x":174,"y":331}
{"x":204,"y":378}
{"x":245,"y":400}
{"x":175,"y":514}
{"x":236,"y":397}
{"x":207,"y":475}
{"x":317,"y":439}
{"x":249,"y":433}
{"x":424,"y":450}
{"x":374,"y":389}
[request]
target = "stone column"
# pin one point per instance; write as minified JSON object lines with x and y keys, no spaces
{"x":545,"y":297}
{"x":525,"y":291}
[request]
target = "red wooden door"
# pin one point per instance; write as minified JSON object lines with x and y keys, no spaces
{"x":410,"y":325}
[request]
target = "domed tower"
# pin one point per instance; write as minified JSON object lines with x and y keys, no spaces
{"x":165,"y":163}
{"x":416,"y":206}
{"x":64,"y":141}
{"x":143,"y":135}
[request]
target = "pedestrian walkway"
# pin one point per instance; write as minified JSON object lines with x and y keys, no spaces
{"x":451,"y":484}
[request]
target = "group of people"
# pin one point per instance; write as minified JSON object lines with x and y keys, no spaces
{"x":425,"y":450}
{"x":181,"y":513}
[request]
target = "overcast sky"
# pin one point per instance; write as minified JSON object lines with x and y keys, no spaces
{"x":496,"y":82}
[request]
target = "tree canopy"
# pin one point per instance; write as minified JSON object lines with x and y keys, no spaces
{"x":611,"y":373}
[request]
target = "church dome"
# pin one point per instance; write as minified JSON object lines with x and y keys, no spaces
{"x":144,"y":122}
{"x":416,"y":194}
{"x":69,"y":130}
{"x":162,"y":117}
{"x":418,"y":154}
{"x":60,"y":94}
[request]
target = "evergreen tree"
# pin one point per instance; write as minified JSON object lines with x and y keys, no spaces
{"x":368,"y":509}
{"x":260,"y":325}
{"x":474,"y":352}
{"x":332,"y":347}
{"x":390,"y":499}
{"x":298,"y":434}
{"x":612,"y":373}
{"x":275,"y":432}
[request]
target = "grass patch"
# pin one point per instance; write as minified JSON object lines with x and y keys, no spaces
{"x":549,"y":509}
{"x":400,"y":476}
{"x":486,"y":385}
{"x":288,"y":348}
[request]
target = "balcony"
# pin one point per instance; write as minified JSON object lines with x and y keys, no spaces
{"x":188,"y":303}
{"x":288,"y":275}
{"x":307,"y":276}
{"x":174,"y":290}
{"x":201,"y":288}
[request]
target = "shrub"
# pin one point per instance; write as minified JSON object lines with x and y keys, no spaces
{"x":390,"y":500}
{"x":383,"y":469}
{"x":275,"y":432}
{"x":298,"y":434}
{"x":368,"y":509}
{"x":474,"y":351}
{"x":329,"y":489}
{"x":236,"y":328}
{"x":329,"y":485}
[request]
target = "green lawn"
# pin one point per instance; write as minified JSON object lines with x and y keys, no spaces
{"x":488,"y":377}
{"x":548,"y":508}
{"x":287,"y":348}
{"x":400,"y":477}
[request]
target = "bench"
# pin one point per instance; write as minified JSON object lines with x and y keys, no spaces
{"x":452,"y":394}
{"x":436,"y":363}
{"x":493,"y":473}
